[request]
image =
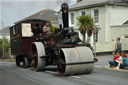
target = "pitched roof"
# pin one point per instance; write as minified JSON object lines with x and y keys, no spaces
{"x":92,"y":3}
{"x":5,"y":31}
{"x":47,"y":14}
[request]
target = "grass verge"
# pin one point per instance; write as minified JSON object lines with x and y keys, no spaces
{"x":8,"y":60}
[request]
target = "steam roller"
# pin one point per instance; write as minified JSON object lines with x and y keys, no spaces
{"x":70,"y":61}
{"x":64,"y":49}
{"x":38,"y":48}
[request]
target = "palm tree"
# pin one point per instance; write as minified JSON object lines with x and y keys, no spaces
{"x":90,"y":27}
{"x":85,"y":24}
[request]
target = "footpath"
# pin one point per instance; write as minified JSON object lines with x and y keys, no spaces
{"x":104,"y":61}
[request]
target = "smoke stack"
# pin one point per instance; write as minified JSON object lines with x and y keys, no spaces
{"x":65,"y":9}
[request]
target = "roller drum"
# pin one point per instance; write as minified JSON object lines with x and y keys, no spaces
{"x":76,"y":60}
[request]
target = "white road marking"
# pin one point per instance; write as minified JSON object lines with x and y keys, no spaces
{"x":51,"y":72}
{"x":76,"y":77}
{"x":99,"y":66}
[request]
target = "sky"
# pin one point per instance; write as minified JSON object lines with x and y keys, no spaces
{"x":12,"y":11}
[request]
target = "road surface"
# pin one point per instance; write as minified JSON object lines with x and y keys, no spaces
{"x":12,"y":75}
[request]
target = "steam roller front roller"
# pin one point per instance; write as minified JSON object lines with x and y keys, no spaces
{"x":77,"y":60}
{"x":38,"y":59}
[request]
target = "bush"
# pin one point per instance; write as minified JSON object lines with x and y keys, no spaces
{"x":4,"y":43}
{"x":52,"y":27}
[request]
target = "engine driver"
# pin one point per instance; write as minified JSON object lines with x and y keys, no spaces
{"x":46,"y":29}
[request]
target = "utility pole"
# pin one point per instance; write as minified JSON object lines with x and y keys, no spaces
{"x":2,"y":26}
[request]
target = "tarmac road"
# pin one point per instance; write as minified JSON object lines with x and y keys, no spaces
{"x":12,"y":75}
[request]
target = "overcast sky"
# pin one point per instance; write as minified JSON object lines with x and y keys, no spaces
{"x":15,"y":10}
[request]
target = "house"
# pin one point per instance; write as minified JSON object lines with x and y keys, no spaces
{"x":47,"y":14}
{"x":5,"y":32}
{"x":110,"y":17}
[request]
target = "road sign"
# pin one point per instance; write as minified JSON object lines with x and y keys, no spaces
{"x":95,"y":34}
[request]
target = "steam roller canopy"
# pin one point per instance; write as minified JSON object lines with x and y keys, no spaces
{"x":76,"y":60}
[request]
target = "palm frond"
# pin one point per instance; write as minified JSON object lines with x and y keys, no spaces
{"x":85,"y":24}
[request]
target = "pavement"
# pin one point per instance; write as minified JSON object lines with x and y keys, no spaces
{"x":103,"y":61}
{"x":12,"y":75}
{"x":120,"y":70}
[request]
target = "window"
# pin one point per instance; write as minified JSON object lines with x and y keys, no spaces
{"x":14,"y":31}
{"x":96,"y":15}
{"x":26,"y":30}
{"x":125,"y":35}
{"x":72,"y":18}
{"x":83,"y":13}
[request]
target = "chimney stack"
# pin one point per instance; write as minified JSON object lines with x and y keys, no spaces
{"x":78,"y":1}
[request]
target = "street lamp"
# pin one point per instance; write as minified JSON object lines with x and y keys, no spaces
{"x":95,"y":37}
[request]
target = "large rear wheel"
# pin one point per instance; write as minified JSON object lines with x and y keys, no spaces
{"x":38,"y":56}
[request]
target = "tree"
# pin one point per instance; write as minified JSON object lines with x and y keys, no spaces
{"x":85,"y":24}
{"x":4,"y":42}
{"x":52,"y":28}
